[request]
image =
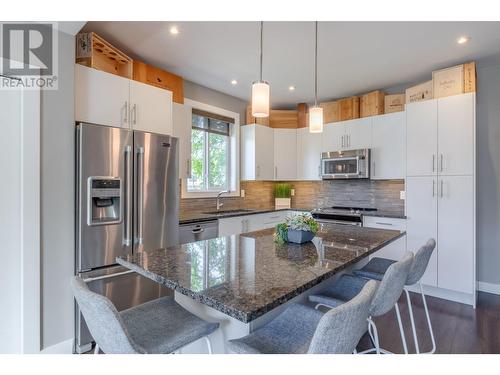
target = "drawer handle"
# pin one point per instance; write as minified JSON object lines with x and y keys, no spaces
{"x":389,"y":224}
{"x":274,"y":217}
{"x":198,"y":230}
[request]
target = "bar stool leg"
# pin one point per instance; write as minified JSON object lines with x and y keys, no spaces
{"x":209,"y":344}
{"x":401,"y":331}
{"x":371,"y":324}
{"x":415,"y":339}
{"x":96,"y":349}
{"x":428,"y":321}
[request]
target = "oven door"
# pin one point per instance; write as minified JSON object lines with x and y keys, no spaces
{"x":342,"y":168}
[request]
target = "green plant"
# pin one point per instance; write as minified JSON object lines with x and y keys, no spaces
{"x":282,"y":190}
{"x":302,"y":222}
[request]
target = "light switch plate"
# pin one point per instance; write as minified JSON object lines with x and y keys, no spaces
{"x":402,"y":194}
{"x":242,"y":193}
{"x":292,"y":191}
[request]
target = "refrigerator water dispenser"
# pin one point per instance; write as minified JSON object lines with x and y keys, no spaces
{"x":104,"y":197}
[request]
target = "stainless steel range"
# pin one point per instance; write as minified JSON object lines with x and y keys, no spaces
{"x":341,"y":215}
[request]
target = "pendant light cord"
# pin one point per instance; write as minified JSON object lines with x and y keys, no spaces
{"x":315,"y":68}
{"x":261,"y":43}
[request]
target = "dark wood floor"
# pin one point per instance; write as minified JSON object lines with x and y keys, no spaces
{"x":457,"y":328}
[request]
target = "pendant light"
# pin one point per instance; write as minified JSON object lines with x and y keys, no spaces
{"x":316,"y":112}
{"x":260,"y":89}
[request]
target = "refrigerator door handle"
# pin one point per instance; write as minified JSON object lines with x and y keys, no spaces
{"x":140,"y":193}
{"x":128,"y":196}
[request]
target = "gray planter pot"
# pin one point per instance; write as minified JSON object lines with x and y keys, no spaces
{"x":299,"y":236}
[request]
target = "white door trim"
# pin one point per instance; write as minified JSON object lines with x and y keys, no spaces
{"x":30,"y":221}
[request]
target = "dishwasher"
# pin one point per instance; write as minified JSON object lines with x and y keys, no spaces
{"x":198,"y":231}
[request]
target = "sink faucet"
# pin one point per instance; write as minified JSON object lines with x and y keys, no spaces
{"x":219,"y":203}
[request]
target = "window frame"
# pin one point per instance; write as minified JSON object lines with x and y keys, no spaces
{"x":233,"y":145}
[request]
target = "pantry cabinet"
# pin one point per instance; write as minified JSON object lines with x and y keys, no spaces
{"x":257,"y":152}
{"x":308,"y":155}
{"x":388,"y":151}
{"x":285,"y":154}
{"x":440,"y":190}
{"x":107,"y":99}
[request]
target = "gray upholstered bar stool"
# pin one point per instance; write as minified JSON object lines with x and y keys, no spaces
{"x":302,"y":329}
{"x":377,"y":267}
{"x":386,"y":297}
{"x":156,"y":327}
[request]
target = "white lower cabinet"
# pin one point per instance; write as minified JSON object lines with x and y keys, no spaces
{"x":394,"y":250}
{"x":421,"y":220}
{"x":233,"y":225}
{"x":250,"y":223}
{"x":456,"y":233}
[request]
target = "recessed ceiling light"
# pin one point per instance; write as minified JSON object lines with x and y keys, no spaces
{"x":291,"y":88}
{"x":174,"y":30}
{"x":463,"y":40}
{"x":234,"y":82}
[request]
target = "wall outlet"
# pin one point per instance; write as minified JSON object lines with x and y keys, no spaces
{"x":292,"y":191}
{"x":402,"y":195}
{"x":242,"y":193}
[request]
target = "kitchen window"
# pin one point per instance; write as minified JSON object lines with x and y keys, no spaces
{"x":210,"y":152}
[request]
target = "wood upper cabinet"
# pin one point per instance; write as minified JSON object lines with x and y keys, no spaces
{"x":421,"y":136}
{"x":150,"y":108}
{"x":285,"y":154}
{"x":101,"y":98}
{"x":456,"y":124}
{"x":388,"y":151}
{"x":154,"y":76}
{"x":107,"y":99}
{"x":308,"y":155}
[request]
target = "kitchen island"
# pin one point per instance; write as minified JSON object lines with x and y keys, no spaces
{"x":244,"y":280}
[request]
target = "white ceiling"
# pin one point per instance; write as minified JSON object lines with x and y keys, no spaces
{"x":353,"y":57}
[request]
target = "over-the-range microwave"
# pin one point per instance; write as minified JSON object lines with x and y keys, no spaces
{"x":345,"y":164}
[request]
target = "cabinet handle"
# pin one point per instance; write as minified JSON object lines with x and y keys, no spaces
{"x":441,"y":188}
{"x":258,"y":171}
{"x":125,"y":111}
{"x":275,"y":172}
{"x":342,"y":141}
{"x":319,"y":171}
{"x":374,"y":170}
{"x":433,"y":161}
{"x":433,"y":188}
{"x":134,"y":111}
{"x":188,"y":172}
{"x":441,"y":167}
{"x":348,"y":140}
{"x":380,"y":223}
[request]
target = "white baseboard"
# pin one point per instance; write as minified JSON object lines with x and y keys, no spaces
{"x":450,"y":295}
{"x":63,"y":347}
{"x":488,"y":287}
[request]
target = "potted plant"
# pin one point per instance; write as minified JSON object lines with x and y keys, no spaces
{"x":297,"y":229}
{"x":282,"y":196}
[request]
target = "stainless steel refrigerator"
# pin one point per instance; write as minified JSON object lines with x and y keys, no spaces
{"x":127,"y":201}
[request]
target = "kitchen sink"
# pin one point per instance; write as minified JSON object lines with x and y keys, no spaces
{"x":228,"y":212}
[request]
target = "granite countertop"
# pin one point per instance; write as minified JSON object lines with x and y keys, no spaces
{"x":247,"y":275}
{"x":198,"y":217}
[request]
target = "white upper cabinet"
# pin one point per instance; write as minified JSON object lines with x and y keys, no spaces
{"x":358,"y":134}
{"x":455,"y":133}
{"x":333,"y":137}
{"x":150,"y":108}
{"x":421,"y":220}
{"x":388,"y":151}
{"x":285,"y":154}
{"x":308,"y":155}
{"x":257,"y":152}
{"x":101,"y":98}
{"x":456,"y":233}
{"x":181,"y":118}
{"x":421,"y":135}
{"x":107,"y":99}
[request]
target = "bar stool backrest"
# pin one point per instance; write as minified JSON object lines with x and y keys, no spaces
{"x":391,"y":286}
{"x":341,"y":328}
{"x":103,"y":320}
{"x":422,"y":257}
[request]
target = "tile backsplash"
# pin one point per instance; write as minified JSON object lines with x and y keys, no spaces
{"x":381,"y":194}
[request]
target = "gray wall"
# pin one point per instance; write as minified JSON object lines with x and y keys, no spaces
{"x":58,"y":199}
{"x":216,"y":98}
{"x":488,"y":170}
